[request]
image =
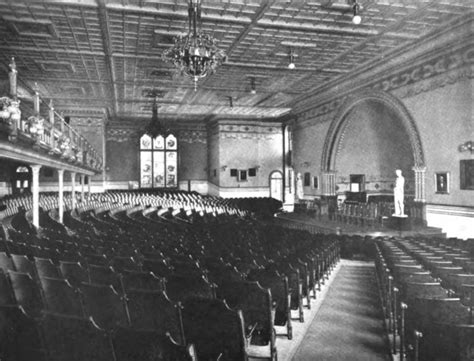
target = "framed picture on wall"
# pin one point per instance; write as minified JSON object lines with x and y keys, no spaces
{"x":467,"y":174}
{"x":442,"y":182}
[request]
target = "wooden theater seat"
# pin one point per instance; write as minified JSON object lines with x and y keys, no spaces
{"x":216,"y":331}
{"x":153,"y":310}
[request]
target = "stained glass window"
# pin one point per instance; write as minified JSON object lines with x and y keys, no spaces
{"x":158,"y":161}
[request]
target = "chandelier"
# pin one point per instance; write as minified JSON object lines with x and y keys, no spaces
{"x":155,"y":127}
{"x":195,"y":54}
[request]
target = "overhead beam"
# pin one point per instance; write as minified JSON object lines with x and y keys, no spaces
{"x":105,"y":31}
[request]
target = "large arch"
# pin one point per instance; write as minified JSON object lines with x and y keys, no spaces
{"x":335,"y":133}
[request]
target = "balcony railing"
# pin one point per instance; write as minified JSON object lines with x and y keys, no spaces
{"x":45,"y":129}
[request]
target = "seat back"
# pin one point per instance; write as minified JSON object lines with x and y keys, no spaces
{"x":256,"y":305}
{"x":180,"y":287}
{"x":152,"y":310}
{"x":26,"y":291}
{"x":214,"y":329}
{"x":278,"y":286}
{"x":137,"y":280}
{"x":74,"y":339}
{"x":7,"y":296}
{"x":19,"y":336}
{"x":61,"y":298}
{"x":74,"y":272}
{"x":23,"y":264}
{"x":6,"y":262}
{"x":105,"y":275}
{"x":105,"y":305}
{"x":46,"y":268}
{"x":147,"y":345}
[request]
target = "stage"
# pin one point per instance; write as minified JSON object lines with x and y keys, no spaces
{"x":390,"y":226}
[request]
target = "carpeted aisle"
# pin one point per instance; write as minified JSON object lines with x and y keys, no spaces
{"x":349,"y":324}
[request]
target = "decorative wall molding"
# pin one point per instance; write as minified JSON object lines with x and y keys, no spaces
{"x":122,"y":135}
{"x":424,"y":76}
{"x":246,"y":130}
{"x":87,"y":122}
{"x":192,"y":136}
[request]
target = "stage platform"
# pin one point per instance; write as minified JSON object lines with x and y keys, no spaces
{"x":324,"y":225}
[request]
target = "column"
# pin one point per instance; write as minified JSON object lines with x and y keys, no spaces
{"x":328,"y":183}
{"x":89,"y":186}
{"x":420,"y":183}
{"x":73,"y":190}
{"x":61,"y":195}
{"x":35,"y":190}
{"x":82,"y":188}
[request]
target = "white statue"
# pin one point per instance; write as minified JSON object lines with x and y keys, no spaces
{"x":398,"y":194}
{"x":299,"y":186}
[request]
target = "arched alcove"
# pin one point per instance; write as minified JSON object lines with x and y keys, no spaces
{"x":372,"y":134}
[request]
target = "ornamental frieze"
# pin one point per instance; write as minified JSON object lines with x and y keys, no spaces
{"x":121,"y":135}
{"x":429,"y":69}
{"x":434,"y":73}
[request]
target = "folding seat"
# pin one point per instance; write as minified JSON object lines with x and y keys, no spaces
{"x":256,"y":305}
{"x":46,"y":268}
{"x":95,"y":259}
{"x":159,"y":267}
{"x":23,"y":264}
{"x":69,"y":338}
{"x":180,"y":287}
{"x":278,"y":285}
{"x":216,"y":331}
{"x":6,"y":293}
{"x":134,"y":280}
{"x":27,"y":292}
{"x":19,"y":335}
{"x":147,"y":345}
{"x":295,"y":286}
{"x":104,"y":275}
{"x":74,"y":272}
{"x":105,"y":305}
{"x":423,"y":289}
{"x":153,"y":310}
{"x":61,"y":298}
{"x":125,"y":264}
{"x":6,"y":262}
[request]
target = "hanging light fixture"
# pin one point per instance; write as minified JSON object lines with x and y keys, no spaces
{"x":155,"y":127}
{"x":356,"y":18}
{"x":253,"y":88}
{"x":291,"y":59}
{"x":195,"y":54}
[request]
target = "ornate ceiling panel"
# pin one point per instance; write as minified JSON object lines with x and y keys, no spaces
{"x":105,"y":55}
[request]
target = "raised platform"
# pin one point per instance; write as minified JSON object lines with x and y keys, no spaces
{"x":325,"y":225}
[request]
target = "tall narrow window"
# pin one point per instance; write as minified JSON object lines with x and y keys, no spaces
{"x":158,"y":161}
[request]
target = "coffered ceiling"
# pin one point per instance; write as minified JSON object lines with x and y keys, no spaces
{"x":105,"y":55}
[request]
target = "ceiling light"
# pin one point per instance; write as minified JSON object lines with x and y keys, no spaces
{"x":253,"y":89}
{"x":195,"y":54}
{"x":291,"y":59}
{"x":356,"y":18}
{"x":155,"y":127}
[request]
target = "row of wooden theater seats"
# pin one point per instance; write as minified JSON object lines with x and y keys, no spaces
{"x":364,"y":214}
{"x":107,"y":316}
{"x":418,"y":308}
{"x":54,"y":337}
{"x":302,"y":279}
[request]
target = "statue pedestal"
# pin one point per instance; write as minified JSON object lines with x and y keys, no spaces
{"x":399,"y":222}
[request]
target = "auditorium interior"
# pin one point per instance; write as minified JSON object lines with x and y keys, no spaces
{"x":214,"y":180}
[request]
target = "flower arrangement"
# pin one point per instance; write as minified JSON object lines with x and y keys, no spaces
{"x":35,"y":125}
{"x":10,"y":110}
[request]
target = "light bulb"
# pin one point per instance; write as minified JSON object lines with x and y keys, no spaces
{"x":357,"y":19}
{"x":291,"y":65}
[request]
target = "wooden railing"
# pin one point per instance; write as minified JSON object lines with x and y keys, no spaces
{"x":45,"y":129}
